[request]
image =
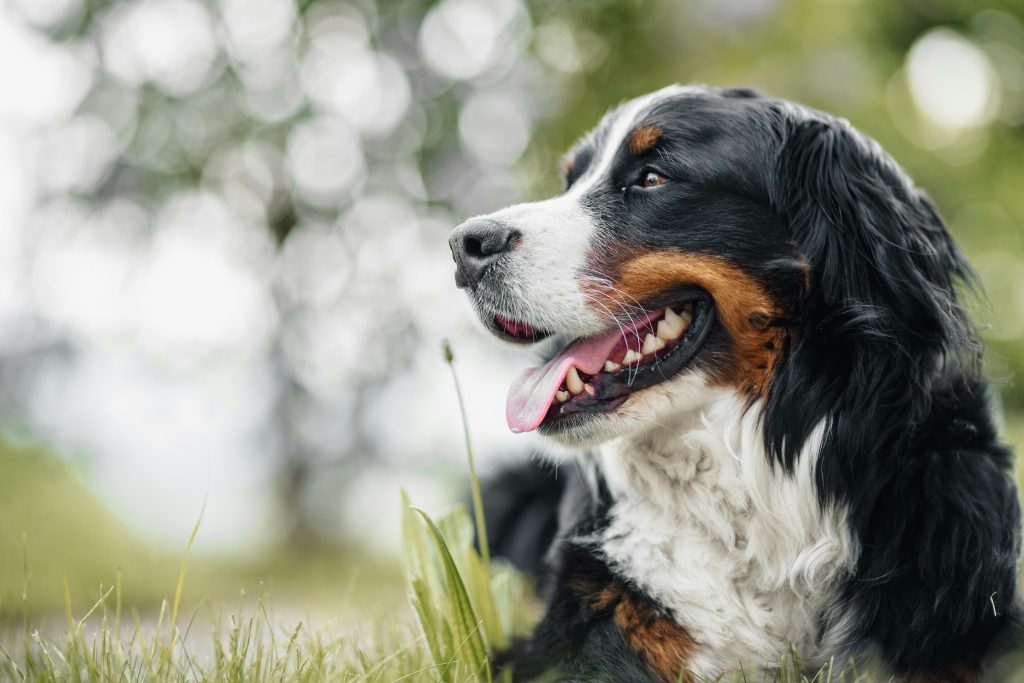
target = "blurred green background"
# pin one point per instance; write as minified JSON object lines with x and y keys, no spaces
{"x":200,"y":302}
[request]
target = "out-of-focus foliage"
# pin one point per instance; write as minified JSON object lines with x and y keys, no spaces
{"x":223,"y":256}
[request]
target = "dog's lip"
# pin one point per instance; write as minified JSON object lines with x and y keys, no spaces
{"x":497,"y":321}
{"x":674,"y":298}
{"x":515,"y":330}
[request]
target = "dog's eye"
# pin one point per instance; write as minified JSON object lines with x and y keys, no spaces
{"x":651,"y":178}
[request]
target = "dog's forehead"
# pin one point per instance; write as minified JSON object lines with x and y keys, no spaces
{"x":713,"y":135}
{"x":614,"y":128}
{"x":596,"y":150}
{"x":678,"y":112}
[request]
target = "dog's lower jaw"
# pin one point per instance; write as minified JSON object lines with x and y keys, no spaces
{"x":739,"y":552}
{"x":670,"y":402}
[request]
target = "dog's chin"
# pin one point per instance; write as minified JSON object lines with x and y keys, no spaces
{"x":645,"y":410}
{"x":582,"y":431}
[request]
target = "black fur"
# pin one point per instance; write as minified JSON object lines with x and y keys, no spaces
{"x":521,"y":508}
{"x":574,"y":641}
{"x":888,"y":357}
{"x":882,"y":352}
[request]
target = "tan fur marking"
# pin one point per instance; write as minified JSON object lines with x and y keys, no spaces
{"x":663,"y":643}
{"x":748,"y":312}
{"x":643,"y":138}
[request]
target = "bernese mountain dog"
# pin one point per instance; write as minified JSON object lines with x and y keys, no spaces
{"x":755,"y":341}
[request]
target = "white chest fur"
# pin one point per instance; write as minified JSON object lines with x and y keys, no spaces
{"x":739,"y":551}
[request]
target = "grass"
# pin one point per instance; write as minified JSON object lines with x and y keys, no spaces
{"x":448,"y":643}
{"x":462,"y":605}
{"x":465,"y":607}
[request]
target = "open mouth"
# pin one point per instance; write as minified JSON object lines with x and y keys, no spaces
{"x":597,"y":374}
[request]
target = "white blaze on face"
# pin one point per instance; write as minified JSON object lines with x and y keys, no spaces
{"x":539,"y":276}
{"x":542,"y":276}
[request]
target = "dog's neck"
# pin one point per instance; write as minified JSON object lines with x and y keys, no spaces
{"x":741,"y":552}
{"x":656,"y":464}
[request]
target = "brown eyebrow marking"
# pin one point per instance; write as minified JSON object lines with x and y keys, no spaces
{"x":643,"y":138}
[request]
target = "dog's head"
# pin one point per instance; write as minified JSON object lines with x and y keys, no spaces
{"x":713,"y":240}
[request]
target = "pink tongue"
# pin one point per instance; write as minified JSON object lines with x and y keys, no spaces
{"x":531,"y":393}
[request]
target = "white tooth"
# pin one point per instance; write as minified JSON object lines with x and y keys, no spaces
{"x":589,"y":388}
{"x":611,"y":367}
{"x":652,"y":344}
{"x":631,"y":357}
{"x":671,"y":326}
{"x":573,"y":381}
{"x":686,"y":316}
{"x":562,"y":396}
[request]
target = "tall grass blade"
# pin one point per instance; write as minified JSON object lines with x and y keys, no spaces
{"x":179,"y":588}
{"x":474,"y":479}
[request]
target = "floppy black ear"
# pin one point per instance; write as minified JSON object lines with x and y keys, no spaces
{"x":880,"y":312}
{"x":884,"y":358}
{"x":875,"y":244}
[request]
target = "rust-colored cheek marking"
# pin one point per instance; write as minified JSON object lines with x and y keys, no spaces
{"x":662,"y":643}
{"x":748,"y":312}
{"x":643,"y":138}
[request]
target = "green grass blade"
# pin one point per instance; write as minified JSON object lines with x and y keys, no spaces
{"x":474,"y":479}
{"x":179,"y":588}
{"x":464,"y":620}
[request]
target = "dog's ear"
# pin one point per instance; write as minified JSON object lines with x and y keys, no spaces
{"x":880,"y":312}
{"x":876,"y":247}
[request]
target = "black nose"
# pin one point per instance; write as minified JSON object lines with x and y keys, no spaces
{"x":475,"y":245}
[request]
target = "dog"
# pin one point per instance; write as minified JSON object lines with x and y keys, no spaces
{"x":754,"y":338}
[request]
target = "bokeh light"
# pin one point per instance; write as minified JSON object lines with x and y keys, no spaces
{"x":482,"y":115}
{"x":325,"y":159}
{"x":168,"y":42}
{"x":951,"y":80}
{"x":461,"y":39}
{"x":50,"y":78}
